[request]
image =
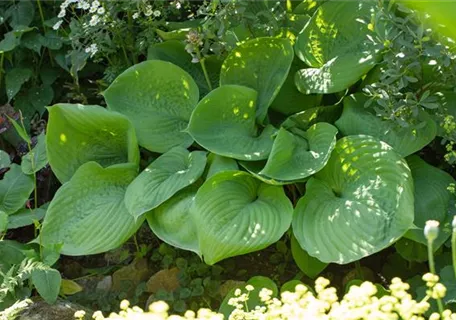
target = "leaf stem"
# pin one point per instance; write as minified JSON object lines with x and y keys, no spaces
{"x":203,"y":66}
{"x":1,"y":67}
{"x":453,"y":249}
{"x":432,"y":269}
{"x":359,"y":270}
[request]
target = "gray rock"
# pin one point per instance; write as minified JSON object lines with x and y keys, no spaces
{"x":40,"y":310}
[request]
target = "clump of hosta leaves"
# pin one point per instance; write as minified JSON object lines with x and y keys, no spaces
{"x":360,"y":302}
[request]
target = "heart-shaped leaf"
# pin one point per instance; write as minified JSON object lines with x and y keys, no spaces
{"x":234,"y":214}
{"x":358,"y":204}
{"x":25,"y":217}
{"x":311,"y":116}
{"x":77,"y":134}
{"x":266,"y":74}
{"x":15,"y":189}
{"x":224,"y":123}
{"x":158,"y":97}
{"x":309,"y":265}
{"x":5,"y":160}
{"x":172,"y":222}
{"x":298,"y":154}
{"x":36,"y":159}
{"x":356,"y":119}
{"x":170,"y":173}
{"x":338,"y":46}
{"x":88,"y":214}
{"x":433,"y":201}
{"x":174,"y":51}
{"x":216,"y":164}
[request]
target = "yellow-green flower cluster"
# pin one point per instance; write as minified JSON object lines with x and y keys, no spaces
{"x":360,"y":302}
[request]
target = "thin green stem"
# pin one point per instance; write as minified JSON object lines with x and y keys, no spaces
{"x":136,"y":244}
{"x":203,"y":66}
{"x":2,"y":57}
{"x":359,"y":270}
{"x":432,"y":269}
{"x":453,"y":250}
{"x":40,"y":9}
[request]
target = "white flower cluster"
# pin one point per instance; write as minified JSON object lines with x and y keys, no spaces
{"x":148,"y":11}
{"x":93,"y":7}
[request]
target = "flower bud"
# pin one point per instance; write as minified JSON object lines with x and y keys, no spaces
{"x":431,"y":230}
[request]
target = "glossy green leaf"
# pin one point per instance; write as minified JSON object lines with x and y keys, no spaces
{"x":88,"y":214}
{"x":255,"y":167}
{"x":25,"y":217}
{"x":356,"y":119}
{"x":170,"y":173}
{"x":243,"y":66}
{"x":237,"y":214}
{"x":309,"y":265}
{"x":224,"y":123}
{"x":174,"y":51}
{"x":36,"y":159}
{"x":411,"y":250}
{"x":216,"y":164}
{"x":77,"y":134}
{"x":5,"y":160}
{"x":47,"y":283}
{"x":358,"y":204}
{"x":15,"y":189}
{"x":309,"y":117}
{"x":289,"y":100}
{"x":433,"y":201}
{"x":298,"y":154}
{"x":158,"y":97}
{"x":258,"y":283}
{"x":337,"y":45}
{"x":172,"y":222}
{"x":14,"y":80}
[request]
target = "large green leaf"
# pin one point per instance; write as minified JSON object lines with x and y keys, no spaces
{"x":88,"y":214}
{"x":5,"y":160}
{"x":236,"y":214}
{"x":358,"y":204}
{"x":47,"y":283}
{"x":25,"y":217}
{"x":338,"y":46}
{"x":298,"y":154}
{"x":216,"y":164}
{"x":261,"y":64}
{"x":356,"y":119}
{"x":289,"y":100}
{"x":309,"y":117}
{"x":172,"y":222}
{"x":224,"y":123}
{"x":36,"y":159}
{"x":174,"y":51}
{"x":433,"y":200}
{"x":77,"y":134}
{"x":170,"y":173}
{"x":15,"y":189}
{"x":309,"y":265}
{"x":158,"y":97}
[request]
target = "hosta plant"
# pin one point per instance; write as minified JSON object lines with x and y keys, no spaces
{"x":237,"y":163}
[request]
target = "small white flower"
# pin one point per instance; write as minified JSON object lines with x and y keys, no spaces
{"x":178,"y":5}
{"x":148,"y":11}
{"x":93,"y":9}
{"x":94,"y":20}
{"x":101,"y":10}
{"x":157,"y":13}
{"x":64,"y":5}
{"x":86,"y":6}
{"x":95,"y":4}
{"x":61,"y":14}
{"x":135,"y":15}
{"x":57,"y":25}
{"x":431,"y":230}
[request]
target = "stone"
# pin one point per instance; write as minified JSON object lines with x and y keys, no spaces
{"x":41,"y":310}
{"x":126,"y":279}
{"x":166,"y":279}
{"x":105,"y":284}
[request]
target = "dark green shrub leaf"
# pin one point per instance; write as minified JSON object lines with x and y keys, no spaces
{"x":158,"y":97}
{"x":3,"y":222}
{"x":25,"y":217}
{"x":356,"y":119}
{"x":216,"y":164}
{"x":224,"y":123}
{"x":5,"y":160}
{"x":261,"y":64}
{"x":15,"y":189}
{"x":89,"y":205}
{"x":14,"y":80}
{"x":170,"y":173}
{"x":338,"y":46}
{"x":358,"y":204}
{"x":77,"y":134}
{"x":234,"y":214}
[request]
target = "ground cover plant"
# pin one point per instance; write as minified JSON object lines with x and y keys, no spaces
{"x":313,"y":136}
